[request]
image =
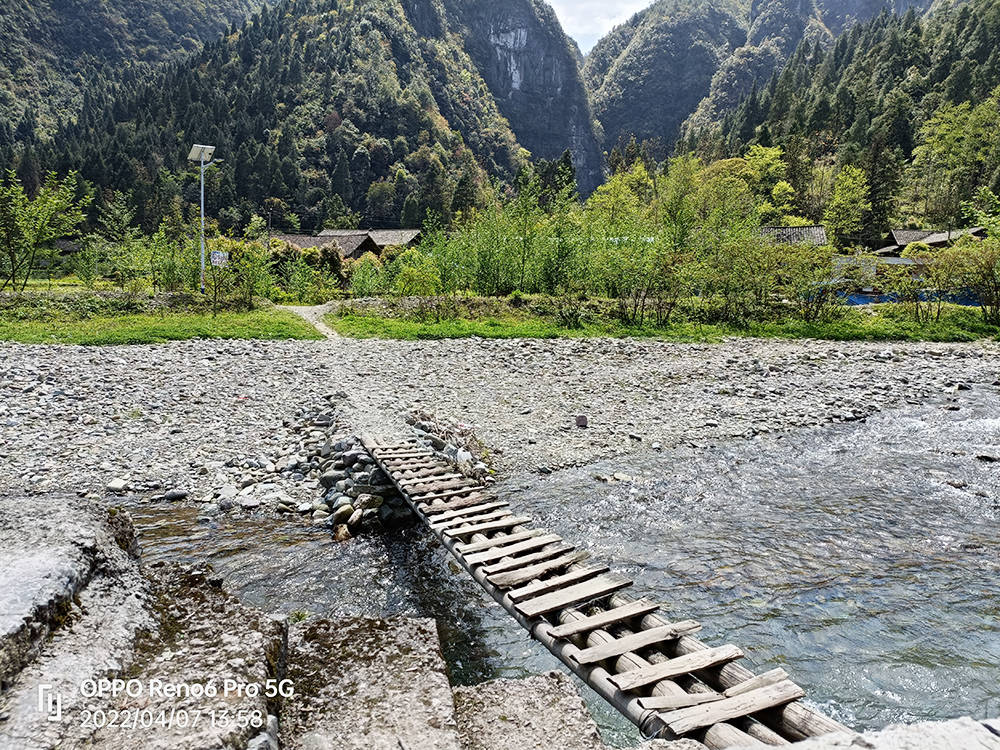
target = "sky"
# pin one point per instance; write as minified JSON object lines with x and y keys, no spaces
{"x":589,"y":20}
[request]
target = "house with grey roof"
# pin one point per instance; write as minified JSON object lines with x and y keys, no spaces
{"x":352,"y":244}
{"x":382,"y":237}
{"x":900,"y":238}
{"x":813,"y":236}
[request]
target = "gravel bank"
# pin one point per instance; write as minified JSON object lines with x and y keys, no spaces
{"x":168,"y":417}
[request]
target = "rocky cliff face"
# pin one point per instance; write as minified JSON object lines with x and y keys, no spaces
{"x":531,"y":68}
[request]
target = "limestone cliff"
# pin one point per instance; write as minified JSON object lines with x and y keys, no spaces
{"x":532,"y":69}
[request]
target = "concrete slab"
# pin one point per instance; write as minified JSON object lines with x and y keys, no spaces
{"x":368,"y":685}
{"x":526,"y":714}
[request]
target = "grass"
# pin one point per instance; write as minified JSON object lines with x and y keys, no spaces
{"x":879,"y":323}
{"x":157,"y":328}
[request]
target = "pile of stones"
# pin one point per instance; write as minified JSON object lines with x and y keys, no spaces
{"x":356,"y":494}
{"x":323,"y":475}
{"x":454,"y":440}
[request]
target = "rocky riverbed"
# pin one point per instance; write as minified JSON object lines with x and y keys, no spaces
{"x":153,"y":420}
{"x":253,"y":428}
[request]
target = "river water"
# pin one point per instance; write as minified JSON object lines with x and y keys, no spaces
{"x":862,"y":558}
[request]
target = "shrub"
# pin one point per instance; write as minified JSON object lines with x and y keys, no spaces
{"x":366,"y":276}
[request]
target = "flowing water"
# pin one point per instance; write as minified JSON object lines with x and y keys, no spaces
{"x":862,"y":558}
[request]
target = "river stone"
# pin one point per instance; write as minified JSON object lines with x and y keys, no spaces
{"x":342,"y":514}
{"x":369,"y":502}
{"x":175,"y":495}
{"x":341,"y":533}
{"x":330,"y":478}
{"x":117,"y":485}
{"x":356,"y":519}
{"x":319,"y":516}
{"x":228,"y":492}
{"x":249,"y":503}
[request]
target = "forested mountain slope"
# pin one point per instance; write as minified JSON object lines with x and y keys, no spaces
{"x":649,"y":74}
{"x":51,"y":49}
{"x":776,"y":29}
{"x":690,"y":62}
{"x":320,"y":107}
{"x":898,"y":93}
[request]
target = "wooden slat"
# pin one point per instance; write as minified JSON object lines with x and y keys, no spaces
{"x":709,"y":657}
{"x":421,"y":472}
{"x":637,"y":641}
{"x":469,"y":511}
{"x":598,"y":588}
{"x":686,"y":720}
{"x":444,"y":476}
{"x":498,"y":541}
{"x":402,"y":450}
{"x":421,"y":493}
{"x":526,"y":560}
{"x":554,"y":584}
{"x":670,"y":702}
{"x":403,"y":461}
{"x":485,"y":528}
{"x":498,"y":553}
{"x":635,"y":609}
{"x":472,"y":518}
{"x":520,"y":576}
{"x":472,"y":497}
{"x":762,"y":680}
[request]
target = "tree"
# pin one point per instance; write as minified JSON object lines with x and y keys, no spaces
{"x":27,"y":225}
{"x":849,"y":208}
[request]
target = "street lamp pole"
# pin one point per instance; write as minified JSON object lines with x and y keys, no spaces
{"x":203,"y":222}
{"x":203,"y":156}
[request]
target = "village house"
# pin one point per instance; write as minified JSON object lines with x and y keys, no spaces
{"x":813,"y":236}
{"x":382,"y":238}
{"x":352,"y":244}
{"x":899,"y":239}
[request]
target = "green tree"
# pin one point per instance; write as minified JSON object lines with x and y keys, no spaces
{"x":849,"y":207}
{"x":27,"y":225}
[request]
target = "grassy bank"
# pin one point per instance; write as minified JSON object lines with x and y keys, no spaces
{"x":497,"y":321}
{"x":153,"y":328}
{"x":92,"y":319}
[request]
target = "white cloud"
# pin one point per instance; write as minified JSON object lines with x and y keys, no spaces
{"x":589,"y":20}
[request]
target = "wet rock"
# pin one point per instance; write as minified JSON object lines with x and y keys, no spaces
{"x":175,"y":495}
{"x":341,"y":533}
{"x":342,"y":514}
{"x":117,"y":485}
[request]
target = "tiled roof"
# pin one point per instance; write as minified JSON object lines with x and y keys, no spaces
{"x":815,"y":235}
{"x":302,"y":241}
{"x":394,"y":237}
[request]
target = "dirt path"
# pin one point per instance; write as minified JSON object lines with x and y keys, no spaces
{"x":314,"y":315}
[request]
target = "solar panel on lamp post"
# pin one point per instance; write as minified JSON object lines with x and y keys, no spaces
{"x":203,"y":155}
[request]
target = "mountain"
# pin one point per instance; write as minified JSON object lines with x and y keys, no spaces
{"x":681,"y":65}
{"x":649,"y":74}
{"x":888,"y":76}
{"x":532,"y":70}
{"x":321,"y":108}
{"x":776,"y":29}
{"x":51,"y":49}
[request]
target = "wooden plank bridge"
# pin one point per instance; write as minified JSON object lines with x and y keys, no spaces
{"x":654,"y":671}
